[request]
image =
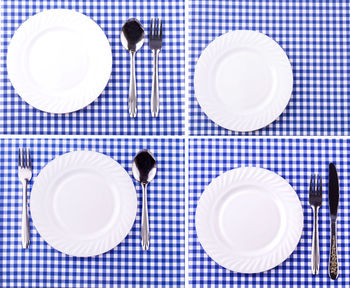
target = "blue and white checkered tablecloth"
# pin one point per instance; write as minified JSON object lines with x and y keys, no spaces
{"x":295,"y":160}
{"x":315,"y":36}
{"x":125,"y":266}
{"x":108,"y":115}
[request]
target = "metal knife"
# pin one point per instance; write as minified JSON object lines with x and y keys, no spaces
{"x":333,"y":197}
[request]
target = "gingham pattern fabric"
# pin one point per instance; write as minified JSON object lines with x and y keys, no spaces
{"x":108,"y":115}
{"x":125,"y":266}
{"x":314,"y":35}
{"x":295,"y":160}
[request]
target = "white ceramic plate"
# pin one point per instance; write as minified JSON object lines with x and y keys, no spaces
{"x":83,"y":203}
{"x":59,"y":61}
{"x":249,"y":220}
{"x":243,"y":80}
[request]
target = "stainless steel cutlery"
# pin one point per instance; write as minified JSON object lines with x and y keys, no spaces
{"x":25,"y":175}
{"x":144,"y":164}
{"x":333,"y":198}
{"x":132,"y":37}
{"x":155,"y":44}
{"x":315,"y":201}
{"x":144,"y":170}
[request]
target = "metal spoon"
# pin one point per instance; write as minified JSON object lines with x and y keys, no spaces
{"x":132,"y":37}
{"x":144,"y":170}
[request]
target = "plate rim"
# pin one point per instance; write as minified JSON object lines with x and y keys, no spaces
{"x":87,"y":248}
{"x":41,"y":101}
{"x":244,"y":264}
{"x":220,"y":116}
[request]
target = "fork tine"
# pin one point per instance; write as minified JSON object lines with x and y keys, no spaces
{"x":24,"y":157}
{"x":161,"y":29}
{"x":151,"y":28}
{"x":19,"y":157}
{"x":319,"y":190}
{"x":29,"y":160}
{"x":311,"y":182}
{"x":315,"y":182}
{"x":157,"y":27}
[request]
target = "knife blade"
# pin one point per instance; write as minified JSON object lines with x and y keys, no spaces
{"x":333,"y":199}
{"x":333,"y":191}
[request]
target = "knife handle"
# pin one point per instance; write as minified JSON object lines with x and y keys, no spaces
{"x":333,"y":268}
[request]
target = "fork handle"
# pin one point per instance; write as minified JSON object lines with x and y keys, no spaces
{"x":333,"y":267}
{"x":315,"y":256}
{"x":132,"y":87}
{"x":25,"y":218}
{"x":155,"y":85}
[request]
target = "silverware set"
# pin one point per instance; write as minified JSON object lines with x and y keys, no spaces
{"x":132,"y":38}
{"x":315,"y":201}
{"x":144,"y":170}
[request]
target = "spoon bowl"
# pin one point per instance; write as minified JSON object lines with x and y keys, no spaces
{"x":144,"y":167}
{"x":132,"y":35}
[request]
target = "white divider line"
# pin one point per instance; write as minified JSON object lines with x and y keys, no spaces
{"x":187,"y":97}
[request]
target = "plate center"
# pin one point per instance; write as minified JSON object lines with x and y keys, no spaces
{"x":249,"y":219}
{"x":84,"y":203}
{"x":244,"y":80}
{"x":57,"y":59}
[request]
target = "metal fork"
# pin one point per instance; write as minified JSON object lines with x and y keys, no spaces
{"x":315,"y":200}
{"x":155,"y":43}
{"x":24,"y":175}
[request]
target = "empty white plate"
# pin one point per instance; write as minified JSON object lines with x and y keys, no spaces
{"x":249,"y":220}
{"x":243,"y":80}
{"x":59,"y":61}
{"x":83,"y":203}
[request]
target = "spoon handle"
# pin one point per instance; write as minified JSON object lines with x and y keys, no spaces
{"x":132,"y":88}
{"x":144,"y":219}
